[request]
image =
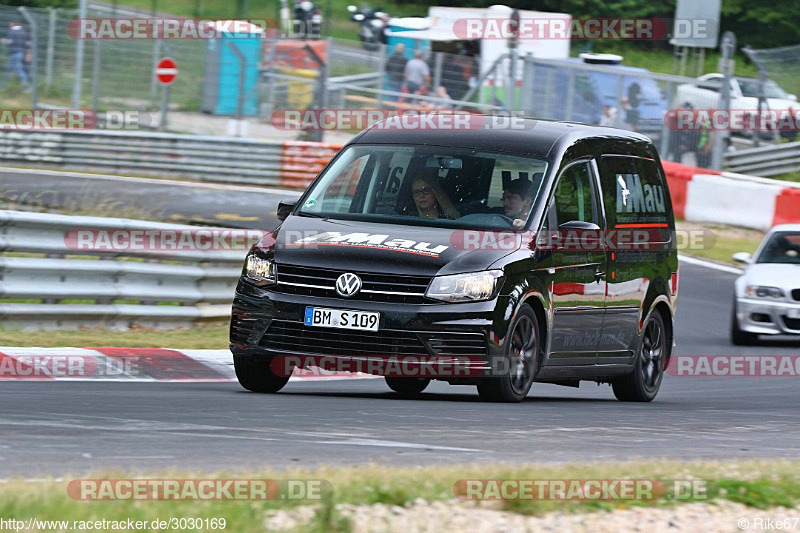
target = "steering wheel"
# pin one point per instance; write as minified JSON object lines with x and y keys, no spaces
{"x":508,"y":220}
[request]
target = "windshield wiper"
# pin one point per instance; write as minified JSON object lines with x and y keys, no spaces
{"x":311,"y":215}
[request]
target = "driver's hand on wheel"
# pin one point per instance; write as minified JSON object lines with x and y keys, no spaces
{"x":518,"y":223}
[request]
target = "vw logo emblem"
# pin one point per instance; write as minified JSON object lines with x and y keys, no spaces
{"x":348,"y":285}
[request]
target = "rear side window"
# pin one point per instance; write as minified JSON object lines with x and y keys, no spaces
{"x":634,"y":192}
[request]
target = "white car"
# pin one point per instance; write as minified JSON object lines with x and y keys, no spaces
{"x":706,"y":94}
{"x":767,"y":295}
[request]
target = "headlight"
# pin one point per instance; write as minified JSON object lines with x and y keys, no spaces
{"x":464,"y":287}
{"x":763,"y":292}
{"x":259,"y":269}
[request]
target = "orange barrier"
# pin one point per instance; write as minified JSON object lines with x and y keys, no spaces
{"x":301,"y":161}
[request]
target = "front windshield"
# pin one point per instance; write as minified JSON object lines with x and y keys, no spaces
{"x":782,"y":247}
{"x":428,"y":185}
{"x":771,"y":89}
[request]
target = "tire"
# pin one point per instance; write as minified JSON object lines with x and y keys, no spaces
{"x":523,"y":344}
{"x":643,"y":383}
{"x":407,"y":386}
{"x":255,"y":375}
{"x":739,"y":337}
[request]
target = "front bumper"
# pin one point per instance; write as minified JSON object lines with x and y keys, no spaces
{"x":767,"y":317}
{"x":267,"y":324}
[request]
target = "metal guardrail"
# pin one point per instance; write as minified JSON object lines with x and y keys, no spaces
{"x":764,"y":161}
{"x":74,"y":287}
{"x":211,"y":158}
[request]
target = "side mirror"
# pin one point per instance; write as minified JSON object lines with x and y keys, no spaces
{"x":741,"y":257}
{"x":284,"y":208}
{"x":793,"y":97}
{"x":579,"y":225}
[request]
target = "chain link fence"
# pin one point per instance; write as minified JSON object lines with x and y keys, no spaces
{"x":676,"y":112}
{"x":782,"y":65}
{"x":119,"y":75}
{"x":116,"y":74}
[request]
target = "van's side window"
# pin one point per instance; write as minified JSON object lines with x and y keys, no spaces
{"x":573,"y":198}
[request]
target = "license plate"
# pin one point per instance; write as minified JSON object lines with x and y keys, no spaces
{"x":793,"y":313}
{"x":341,"y":318}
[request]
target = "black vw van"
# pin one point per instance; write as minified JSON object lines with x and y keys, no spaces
{"x":493,"y":257}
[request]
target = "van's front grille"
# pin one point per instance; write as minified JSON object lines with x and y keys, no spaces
{"x":312,"y":281}
{"x":297,"y":338}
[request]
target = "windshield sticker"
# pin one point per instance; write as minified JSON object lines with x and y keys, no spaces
{"x":309,"y":203}
{"x":368,"y":240}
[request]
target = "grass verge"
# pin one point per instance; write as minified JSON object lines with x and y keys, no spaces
{"x":205,"y":338}
{"x":716,"y":242}
{"x":758,"y":484}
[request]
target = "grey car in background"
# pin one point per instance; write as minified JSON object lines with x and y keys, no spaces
{"x":767,"y":296}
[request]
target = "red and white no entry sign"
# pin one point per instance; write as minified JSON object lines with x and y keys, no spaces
{"x":166,"y":71}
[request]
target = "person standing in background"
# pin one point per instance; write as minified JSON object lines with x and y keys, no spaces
{"x":18,"y":43}
{"x":417,"y":74}
{"x":395,"y":69}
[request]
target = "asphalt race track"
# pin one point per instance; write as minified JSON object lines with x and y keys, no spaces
{"x":71,"y":427}
{"x":182,"y":201}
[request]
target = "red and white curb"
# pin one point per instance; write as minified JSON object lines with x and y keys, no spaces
{"x":131,"y":364}
{"x":703,"y":195}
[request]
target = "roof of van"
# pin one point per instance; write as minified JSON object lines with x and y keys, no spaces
{"x":533,"y":137}
{"x":615,"y":66}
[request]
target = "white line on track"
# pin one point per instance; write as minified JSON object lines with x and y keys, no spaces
{"x":709,"y":264}
{"x":394,"y":444}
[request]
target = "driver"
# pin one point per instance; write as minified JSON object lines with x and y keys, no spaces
{"x":517,"y":201}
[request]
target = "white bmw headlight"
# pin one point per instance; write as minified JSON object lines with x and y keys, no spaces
{"x":472,"y":287}
{"x":259,"y":269}
{"x":764,"y":292}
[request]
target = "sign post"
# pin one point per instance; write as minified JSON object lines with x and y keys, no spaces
{"x":728,"y":49}
{"x":166,"y":71}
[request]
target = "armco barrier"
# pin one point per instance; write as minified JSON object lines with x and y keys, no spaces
{"x":103,"y":290}
{"x":212,"y":158}
{"x":767,"y":160}
{"x":702,"y":195}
